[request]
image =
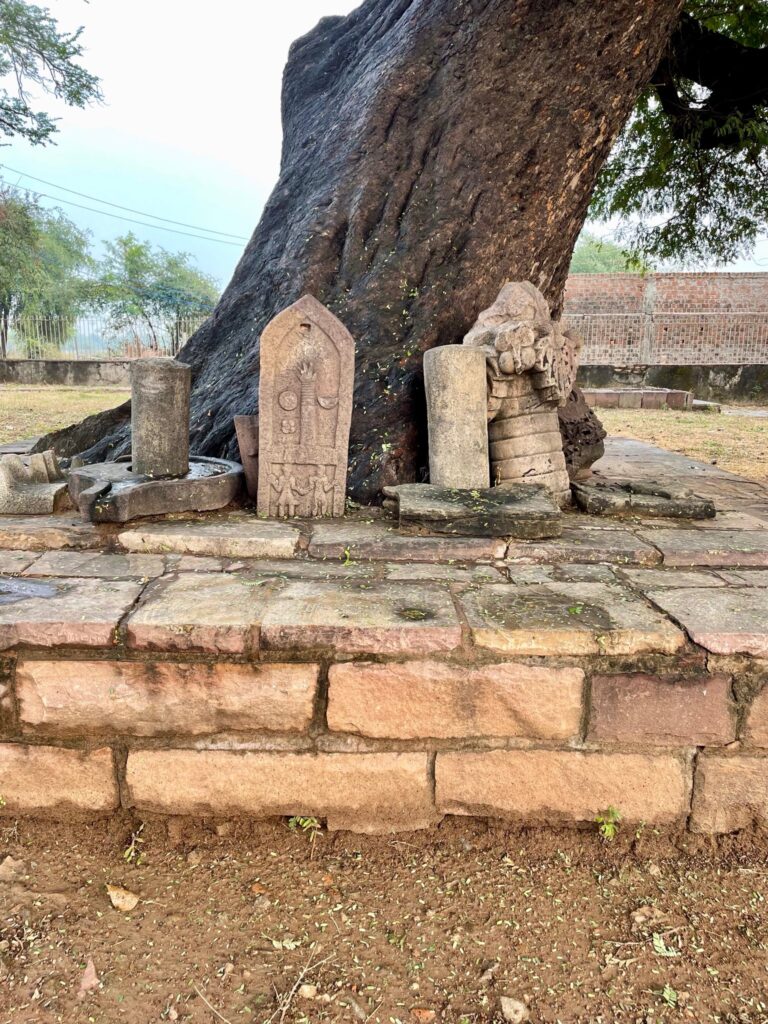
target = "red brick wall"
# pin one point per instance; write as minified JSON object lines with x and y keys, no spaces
{"x":670,"y":319}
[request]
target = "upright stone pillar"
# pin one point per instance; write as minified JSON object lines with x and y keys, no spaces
{"x":160,"y":417}
{"x":457,"y":415}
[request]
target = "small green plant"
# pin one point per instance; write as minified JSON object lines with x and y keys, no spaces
{"x":347,"y":556}
{"x":133,"y":854}
{"x":607,"y":822}
{"x":309,"y":826}
{"x":669,"y":995}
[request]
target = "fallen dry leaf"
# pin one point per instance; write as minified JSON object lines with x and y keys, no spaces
{"x":122,"y":899}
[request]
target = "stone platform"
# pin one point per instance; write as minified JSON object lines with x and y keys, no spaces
{"x":228,"y":665}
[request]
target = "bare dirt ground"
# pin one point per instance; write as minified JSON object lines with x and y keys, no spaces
{"x":736,"y":443}
{"x":27,"y":412}
{"x":262,"y":923}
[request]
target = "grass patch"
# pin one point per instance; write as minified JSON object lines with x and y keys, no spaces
{"x":738,"y":444}
{"x":29,"y":411}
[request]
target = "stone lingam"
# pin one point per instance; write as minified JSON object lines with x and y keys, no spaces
{"x":160,"y":476}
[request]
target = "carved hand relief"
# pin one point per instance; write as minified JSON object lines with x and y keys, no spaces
{"x":305,"y":407}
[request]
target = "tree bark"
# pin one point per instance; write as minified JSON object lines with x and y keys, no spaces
{"x":433,"y":149}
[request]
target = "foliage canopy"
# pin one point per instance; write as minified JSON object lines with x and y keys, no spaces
{"x":34,"y":52}
{"x":689,"y":174}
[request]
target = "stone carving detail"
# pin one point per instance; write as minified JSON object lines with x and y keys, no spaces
{"x":531,"y":362}
{"x":307,"y":366}
{"x":31,"y":485}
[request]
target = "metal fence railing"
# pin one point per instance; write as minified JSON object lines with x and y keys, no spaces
{"x":683,"y":339}
{"x":94,"y":337}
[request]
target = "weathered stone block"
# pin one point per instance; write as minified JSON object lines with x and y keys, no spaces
{"x":552,"y":786}
{"x":582,"y":544}
{"x":227,"y":538}
{"x":366,"y":618}
{"x":374,"y":541}
{"x":638,"y":708}
{"x":97,"y":565}
{"x":457,"y":415}
{"x":710,"y":547}
{"x":723,"y":621}
{"x":566,"y":618}
{"x":82,"y":698}
{"x":430,"y":699}
{"x":729,"y":793}
{"x":13,"y":562}
{"x":756,"y":731}
{"x":361,"y":792}
{"x":44,"y":533}
{"x":56,"y":782}
{"x":63,"y":612}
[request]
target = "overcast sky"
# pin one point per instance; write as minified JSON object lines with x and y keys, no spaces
{"x":190,"y":126}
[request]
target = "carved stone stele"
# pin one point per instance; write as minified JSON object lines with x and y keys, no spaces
{"x":305,"y":408}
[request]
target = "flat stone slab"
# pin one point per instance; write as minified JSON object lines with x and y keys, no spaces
{"x":215,"y":612}
{"x":16,"y":561}
{"x":746,"y":577}
{"x":601,"y":497}
{"x":584,"y":544}
{"x":370,"y":618}
{"x":525,"y":511}
{"x":63,"y":612}
{"x":648,"y":579}
{"x":226,"y":538}
{"x":710,"y":547}
{"x":442,"y":573}
{"x":350,"y":541}
{"x":723,"y":621}
{"x":98,"y":565}
{"x":566,"y":618}
{"x":44,"y":533}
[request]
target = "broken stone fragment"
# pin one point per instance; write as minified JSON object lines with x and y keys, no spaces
{"x":31,"y":485}
{"x":647,"y":498}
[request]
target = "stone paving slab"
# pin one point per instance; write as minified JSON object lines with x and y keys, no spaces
{"x":745,"y":577}
{"x":305,"y":569}
{"x":98,"y":565}
{"x":710,"y":547}
{"x":227,"y":538}
{"x":219,"y":613}
{"x":12,"y":562}
{"x":586,"y":544}
{"x":566,"y":618}
{"x":567,"y":573}
{"x":46,"y":533}
{"x":723,"y":621}
{"x":440,"y":572}
{"x":351,"y":541}
{"x":55,"y":612}
{"x":648,"y":578}
{"x":375,"y":618}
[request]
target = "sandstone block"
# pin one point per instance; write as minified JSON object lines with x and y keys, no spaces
{"x":12,"y":562}
{"x":710,"y":547}
{"x":723,"y":621}
{"x":361,"y":617}
{"x":430,"y":699}
{"x":552,"y":786}
{"x":228,"y":538}
{"x":160,"y":417}
{"x":206,"y":612}
{"x":44,"y":533}
{"x":63,"y":612}
{"x":457,"y":416}
{"x":566,"y":618}
{"x":582,"y":544}
{"x":54,"y":781}
{"x":730,"y":793}
{"x":361,"y":792}
{"x":757,"y":720}
{"x":97,"y":565}
{"x":374,"y":541}
{"x":83,"y":698}
{"x":640,"y":708}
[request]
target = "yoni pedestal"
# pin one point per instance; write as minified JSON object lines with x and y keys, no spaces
{"x":307,"y":367}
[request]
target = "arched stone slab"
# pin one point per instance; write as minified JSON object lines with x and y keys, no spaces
{"x":305,"y":409}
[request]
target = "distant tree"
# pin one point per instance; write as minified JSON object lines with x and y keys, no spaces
{"x":44,"y":260}
{"x":689,"y":174}
{"x":151,"y":291}
{"x":598,"y":256}
{"x":35,"y":53}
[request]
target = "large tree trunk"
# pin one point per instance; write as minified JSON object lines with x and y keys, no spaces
{"x":433,"y":149}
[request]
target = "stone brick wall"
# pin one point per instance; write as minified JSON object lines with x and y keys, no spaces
{"x":670,"y":319}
